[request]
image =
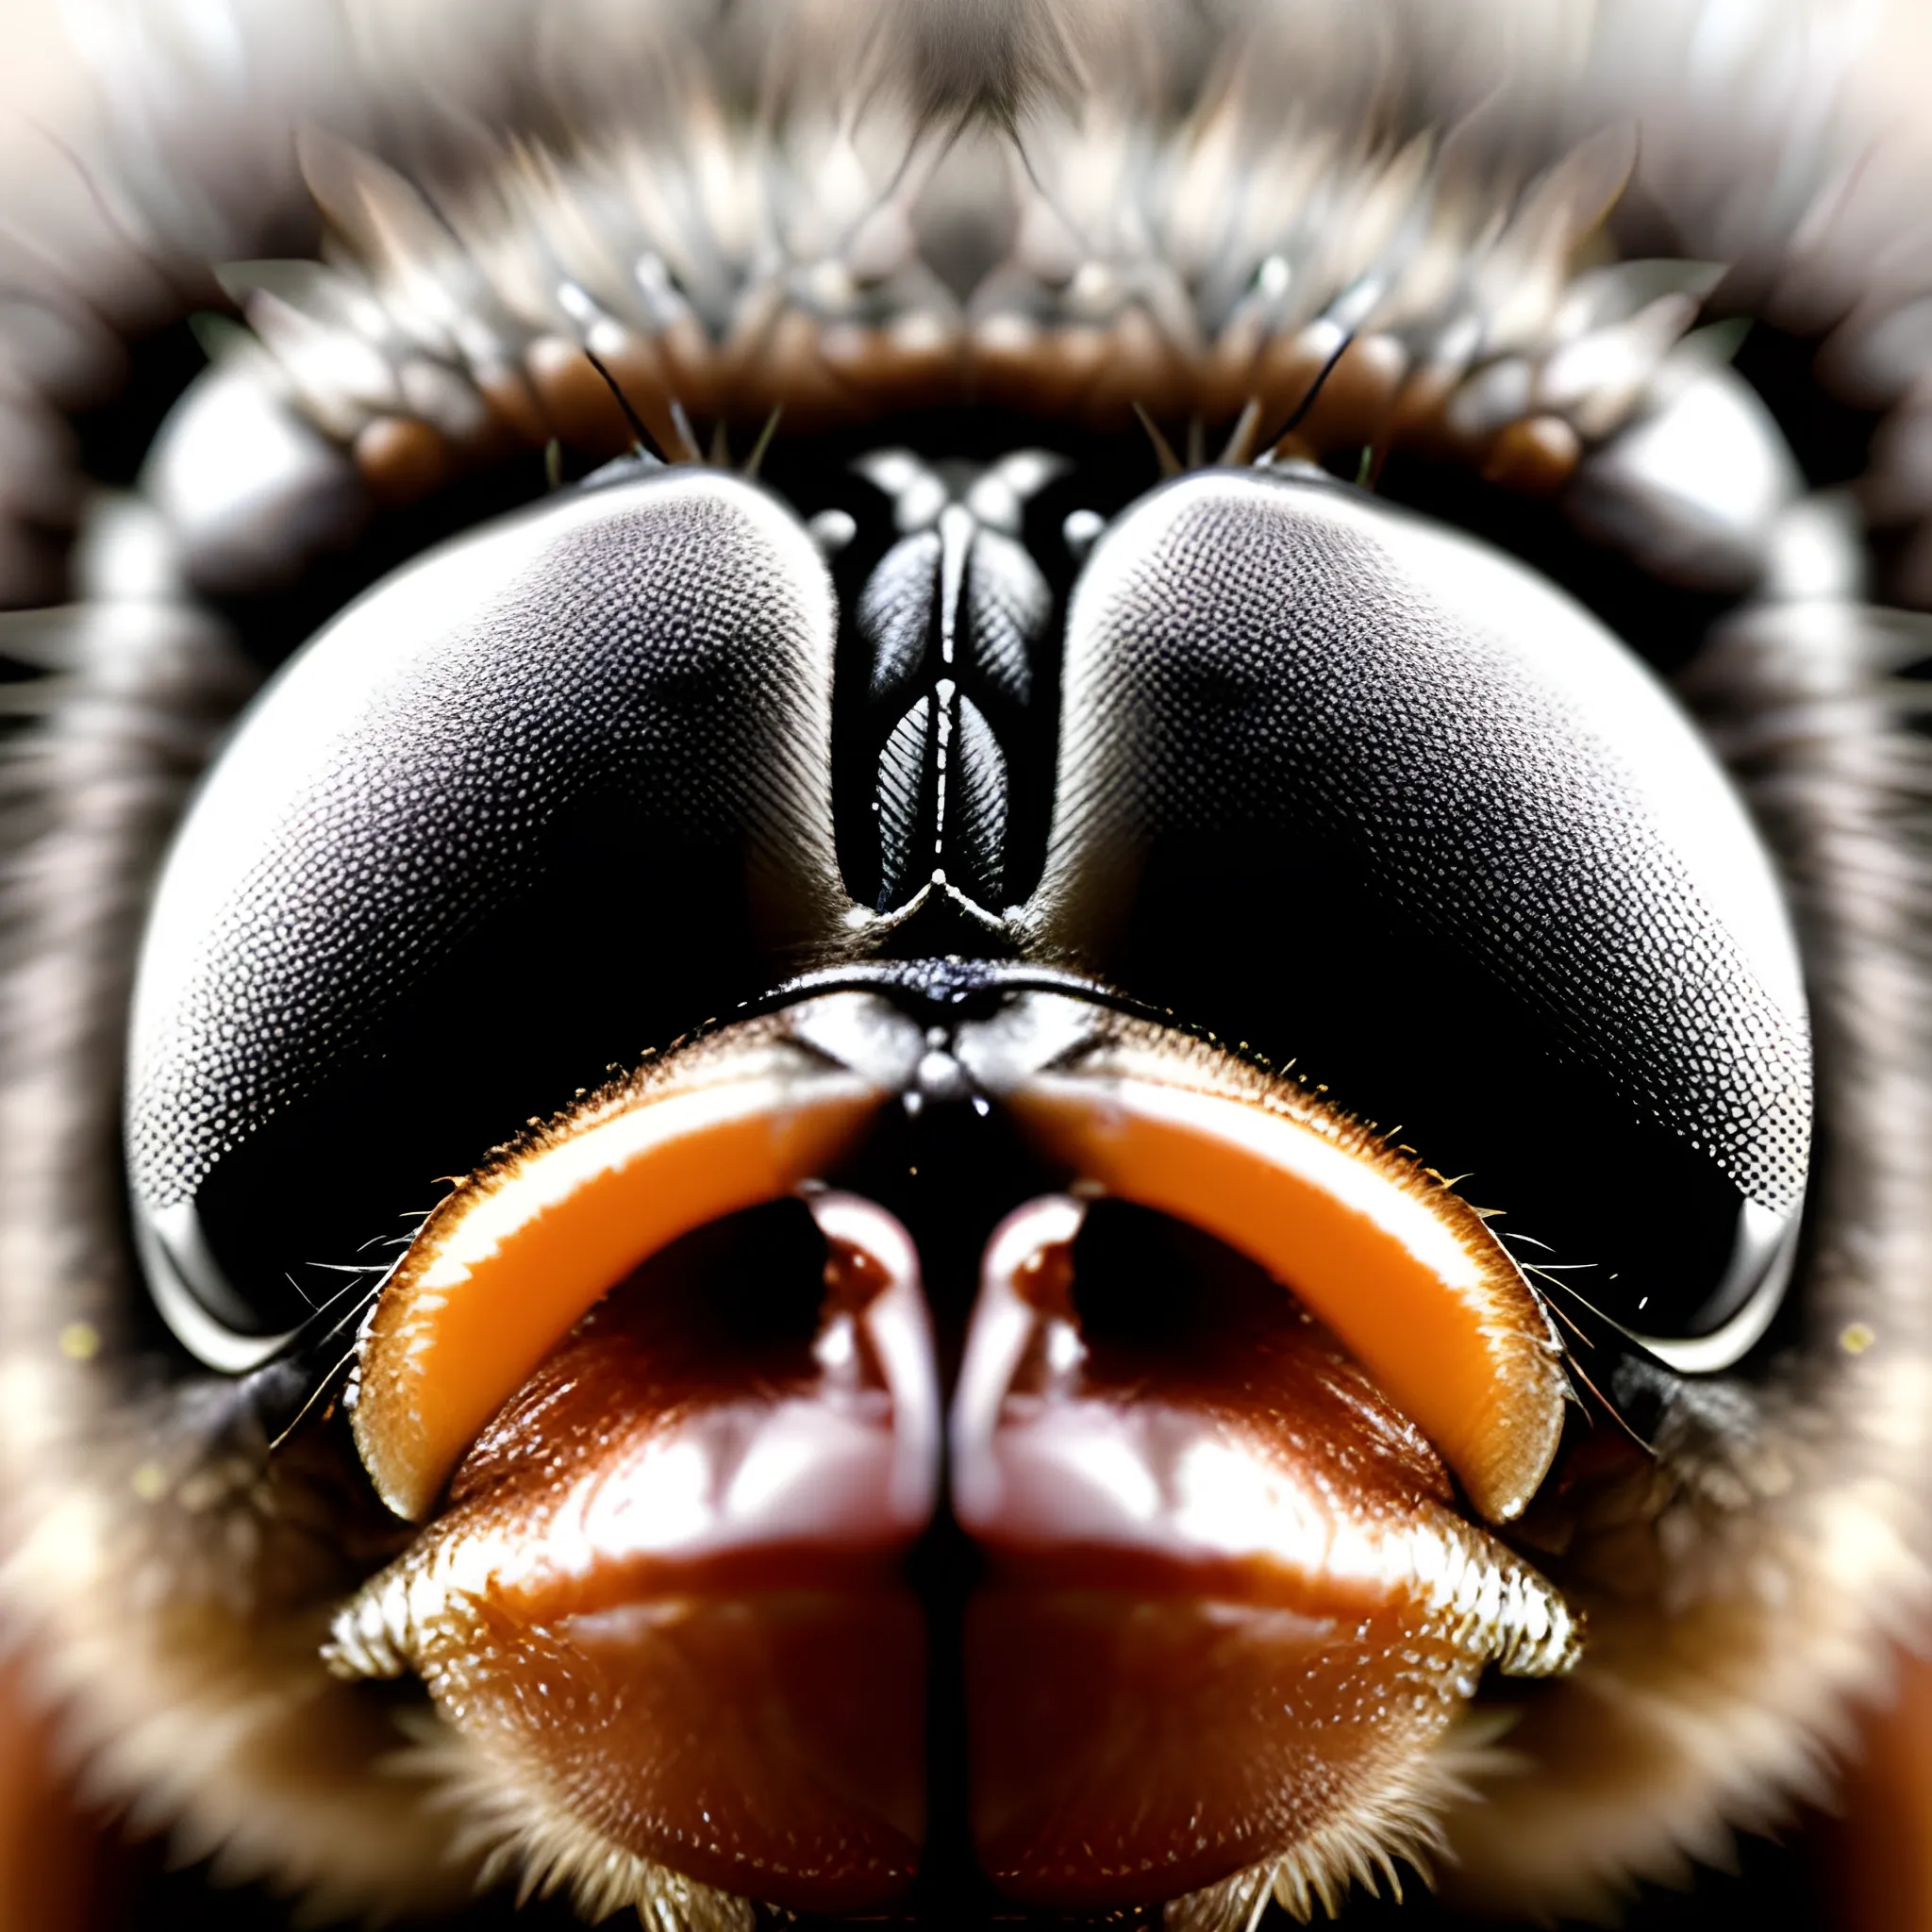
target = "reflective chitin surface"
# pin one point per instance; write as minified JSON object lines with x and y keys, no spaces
{"x":1061,"y":1049}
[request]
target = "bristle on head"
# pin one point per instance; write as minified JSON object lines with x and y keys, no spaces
{"x":1202,"y":266}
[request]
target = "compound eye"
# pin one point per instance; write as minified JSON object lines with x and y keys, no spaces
{"x":1363,"y":794}
{"x":543,"y":797}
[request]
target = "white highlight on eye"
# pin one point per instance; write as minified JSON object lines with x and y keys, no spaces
{"x":1706,"y":1355}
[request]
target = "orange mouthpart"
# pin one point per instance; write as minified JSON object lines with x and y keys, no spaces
{"x":1394,"y":1262}
{"x":502,"y":1270}
{"x":686,"y":1466}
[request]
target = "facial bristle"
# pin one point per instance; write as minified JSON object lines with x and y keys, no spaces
{"x":1196,"y":270}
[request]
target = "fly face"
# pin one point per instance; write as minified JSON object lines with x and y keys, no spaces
{"x":1145,"y":1171}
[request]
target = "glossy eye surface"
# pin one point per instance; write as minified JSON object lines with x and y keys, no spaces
{"x":1372,"y":798}
{"x":524,"y":810}
{"x":1024,"y":1130}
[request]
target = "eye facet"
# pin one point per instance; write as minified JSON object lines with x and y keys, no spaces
{"x":1364,"y":793}
{"x":1387,"y":770}
{"x":549,"y":794}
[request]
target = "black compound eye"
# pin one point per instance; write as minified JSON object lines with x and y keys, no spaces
{"x":1357,"y":790}
{"x":542,"y":798}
